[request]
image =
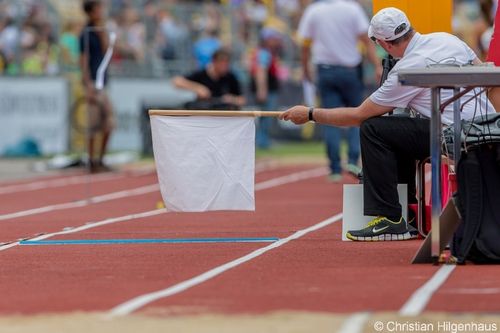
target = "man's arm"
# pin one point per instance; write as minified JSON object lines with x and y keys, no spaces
{"x":261,"y":84}
{"x":493,"y":93}
{"x":200,"y":90}
{"x":88,"y":84}
{"x":103,"y":34}
{"x":371,"y":54}
{"x":337,"y":116}
{"x":305,"y":59}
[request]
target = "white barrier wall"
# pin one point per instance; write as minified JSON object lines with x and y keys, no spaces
{"x":38,"y":108}
{"x":34,"y":108}
{"x":128,"y":97}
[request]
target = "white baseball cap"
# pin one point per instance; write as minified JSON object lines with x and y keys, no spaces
{"x":388,"y":24}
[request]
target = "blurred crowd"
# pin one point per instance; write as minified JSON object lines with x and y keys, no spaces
{"x":167,"y":37}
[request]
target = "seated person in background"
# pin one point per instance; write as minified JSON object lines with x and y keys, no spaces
{"x":215,"y":84}
{"x":390,"y":146}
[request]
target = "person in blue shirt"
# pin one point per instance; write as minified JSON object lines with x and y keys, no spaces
{"x":265,"y":81}
{"x":205,"y":47}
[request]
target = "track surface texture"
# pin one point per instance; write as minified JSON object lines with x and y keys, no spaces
{"x":308,"y":281}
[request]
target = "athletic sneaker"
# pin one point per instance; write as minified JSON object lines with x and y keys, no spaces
{"x":381,"y":229}
{"x":354,"y":170}
{"x":412,"y":224}
{"x":335,"y":178}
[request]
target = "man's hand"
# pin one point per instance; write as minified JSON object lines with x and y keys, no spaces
{"x":298,"y":114}
{"x":202,"y":92}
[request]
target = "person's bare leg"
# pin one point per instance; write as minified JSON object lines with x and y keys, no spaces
{"x":108,"y":126}
{"x":90,"y":151}
{"x":104,"y":144}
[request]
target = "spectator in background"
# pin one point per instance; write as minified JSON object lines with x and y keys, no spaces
{"x":132,"y":35}
{"x":172,"y":33}
{"x":484,"y":26}
{"x":3,"y":64}
{"x":330,"y":32}
{"x":205,"y":47}
{"x":215,"y":84}
{"x":264,"y":68}
{"x":69,"y":43}
{"x":93,"y":45}
{"x":41,"y":54}
{"x":9,"y":36}
{"x":494,"y":56}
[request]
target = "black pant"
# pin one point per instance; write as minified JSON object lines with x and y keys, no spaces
{"x":390,"y":147}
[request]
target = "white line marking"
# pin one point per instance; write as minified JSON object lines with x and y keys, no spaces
{"x":73,"y":180}
{"x":107,"y":221}
{"x":81,"y":203}
{"x":91,"y":225}
{"x":140,"y":301}
{"x":354,"y":323}
{"x":473,"y":291}
{"x":82,"y":179}
{"x":421,"y":297}
{"x":294,"y":177}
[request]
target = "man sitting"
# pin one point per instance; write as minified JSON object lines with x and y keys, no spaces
{"x":391,"y":145}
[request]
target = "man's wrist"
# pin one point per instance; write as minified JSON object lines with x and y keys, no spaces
{"x":311,"y":114}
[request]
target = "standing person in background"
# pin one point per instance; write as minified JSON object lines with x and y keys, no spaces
{"x":265,"y":81}
{"x":329,"y":32}
{"x":93,"y":45}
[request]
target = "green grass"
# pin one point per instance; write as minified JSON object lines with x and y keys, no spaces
{"x":292,"y":149}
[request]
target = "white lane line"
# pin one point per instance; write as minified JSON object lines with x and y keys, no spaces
{"x":421,"y":297}
{"x":473,"y":291}
{"x":66,"y":181}
{"x":81,"y":203}
{"x":355,"y":323}
{"x":82,"y":179}
{"x":140,"y":301}
{"x":91,"y":225}
{"x":107,"y":221}
{"x":294,"y":177}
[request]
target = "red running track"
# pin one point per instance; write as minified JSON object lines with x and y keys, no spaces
{"x":317,"y":272}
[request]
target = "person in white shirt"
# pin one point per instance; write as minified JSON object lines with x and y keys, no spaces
{"x":330,"y":32}
{"x":391,"y":145}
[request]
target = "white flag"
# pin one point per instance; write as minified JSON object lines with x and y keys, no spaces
{"x":205,"y":163}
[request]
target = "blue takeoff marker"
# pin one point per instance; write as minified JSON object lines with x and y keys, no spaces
{"x":149,"y":241}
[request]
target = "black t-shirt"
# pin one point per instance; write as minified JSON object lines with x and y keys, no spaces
{"x":228,"y":84}
{"x":95,"y":50}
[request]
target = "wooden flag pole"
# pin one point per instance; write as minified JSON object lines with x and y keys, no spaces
{"x":215,"y":113}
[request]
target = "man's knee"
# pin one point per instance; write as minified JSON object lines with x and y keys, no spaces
{"x":368,"y":126}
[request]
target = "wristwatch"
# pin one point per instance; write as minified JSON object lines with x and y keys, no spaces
{"x":311,"y":110}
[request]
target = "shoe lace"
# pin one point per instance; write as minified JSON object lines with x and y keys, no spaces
{"x":376,"y":221}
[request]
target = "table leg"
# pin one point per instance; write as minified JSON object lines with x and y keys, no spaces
{"x":436,"y":131}
{"x":457,"y":127}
